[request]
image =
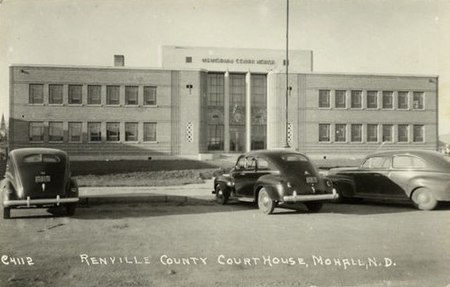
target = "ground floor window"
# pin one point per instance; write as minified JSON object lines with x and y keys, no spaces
{"x":387,"y":133}
{"x":131,"y":132}
{"x":94,"y":132}
{"x":324,"y":133}
{"x":150,"y":132}
{"x":36,"y":131}
{"x":340,"y":132}
{"x":403,"y":135}
{"x":55,"y":131}
{"x":112,"y":132}
{"x":258,"y":134}
{"x":74,"y":132}
{"x":215,"y":137}
{"x":372,"y":133}
{"x":356,"y":133}
{"x":418,"y":133}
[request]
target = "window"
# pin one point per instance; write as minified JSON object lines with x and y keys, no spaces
{"x":418,"y":101}
{"x":403,"y":135}
{"x":377,"y":162}
{"x":402,"y":100}
{"x":34,"y":158}
{"x":387,"y":133}
{"x":150,"y":132}
{"x":112,"y":95}
{"x":94,"y":95}
{"x":150,"y":96}
{"x":55,"y":94}
{"x":36,"y":132}
{"x":408,"y":162}
{"x":94,"y":130}
{"x":55,"y":132}
{"x":131,"y":132}
{"x":112,"y":132}
{"x":372,"y":99}
{"x":324,"y":133}
{"x":324,"y":98}
{"x":356,"y":102}
{"x":418,"y":131}
{"x":263,"y":164}
{"x":340,"y":133}
{"x":340,"y":100}
{"x":74,"y":132}
{"x":215,"y":88}
{"x":188,"y":59}
{"x":75,"y":92}
{"x":215,"y":137}
{"x":387,"y":100}
{"x":36,"y":95}
{"x":372,"y":133}
{"x":356,"y":133}
{"x":131,"y":95}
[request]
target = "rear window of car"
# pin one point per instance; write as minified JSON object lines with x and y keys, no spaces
{"x":293,"y":157}
{"x":405,"y":161}
{"x":48,"y":158}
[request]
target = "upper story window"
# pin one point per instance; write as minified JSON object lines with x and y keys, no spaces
{"x":36,"y":131}
{"x":112,"y":95}
{"x":55,"y":94}
{"x":258,"y":95}
{"x":36,"y":94}
{"x":324,"y":133}
{"x":131,"y":95}
{"x":372,"y":99}
{"x":324,"y":98}
{"x":418,"y":101}
{"x":388,"y":100}
{"x":75,"y":94}
{"x":402,"y":100}
{"x":215,"y":89}
{"x":94,"y":95}
{"x":340,"y":99}
{"x":356,"y":99}
{"x":150,"y":96}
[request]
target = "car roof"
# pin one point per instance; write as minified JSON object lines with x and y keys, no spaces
{"x":422,"y":153}
{"x":272,"y":153}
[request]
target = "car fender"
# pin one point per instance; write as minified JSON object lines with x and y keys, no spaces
{"x":344,"y":184}
{"x":225,"y":182}
{"x":438,"y":185}
{"x":273,"y":184}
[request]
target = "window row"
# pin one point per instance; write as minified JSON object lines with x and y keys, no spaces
{"x":93,"y":93}
{"x":73,"y":132}
{"x":342,"y":133}
{"x":373,"y":99}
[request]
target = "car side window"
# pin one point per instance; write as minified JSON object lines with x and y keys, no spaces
{"x":378,"y":162}
{"x":263,"y":164}
{"x":240,"y":163}
{"x":251,"y":163}
{"x":408,"y":162}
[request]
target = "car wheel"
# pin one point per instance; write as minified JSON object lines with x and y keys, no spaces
{"x":423,"y":199}
{"x":314,"y":206}
{"x":265,"y":203}
{"x":6,"y":212}
{"x":70,"y":209}
{"x":221,"y":195}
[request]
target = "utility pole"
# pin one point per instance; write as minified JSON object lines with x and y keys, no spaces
{"x":287,"y":74}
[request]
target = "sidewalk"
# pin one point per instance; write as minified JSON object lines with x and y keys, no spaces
{"x":142,"y":194}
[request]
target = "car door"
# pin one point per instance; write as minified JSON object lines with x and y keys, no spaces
{"x":245,"y":176}
{"x":372,"y":176}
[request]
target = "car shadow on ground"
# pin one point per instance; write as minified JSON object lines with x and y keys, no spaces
{"x":190,"y":206}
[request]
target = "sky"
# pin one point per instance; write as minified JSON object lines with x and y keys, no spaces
{"x":409,"y":37}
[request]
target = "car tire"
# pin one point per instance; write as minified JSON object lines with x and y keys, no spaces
{"x":6,"y":213}
{"x":70,"y":209}
{"x":423,"y":199}
{"x":265,"y":203}
{"x":314,"y":206}
{"x":221,"y":195}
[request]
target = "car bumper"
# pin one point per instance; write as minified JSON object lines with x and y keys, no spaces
{"x":311,"y":197}
{"x":41,"y":201}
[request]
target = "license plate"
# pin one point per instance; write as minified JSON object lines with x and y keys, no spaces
{"x":311,"y":179}
{"x":42,"y":178}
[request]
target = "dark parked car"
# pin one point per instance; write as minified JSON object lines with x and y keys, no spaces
{"x":274,"y":177}
{"x":38,"y":177}
{"x":420,"y":177}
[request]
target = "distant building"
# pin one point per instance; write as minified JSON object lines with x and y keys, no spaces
{"x":208,"y":101}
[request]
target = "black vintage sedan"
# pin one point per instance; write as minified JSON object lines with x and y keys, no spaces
{"x":271,"y":178}
{"x":38,"y":177}
{"x":420,"y":177}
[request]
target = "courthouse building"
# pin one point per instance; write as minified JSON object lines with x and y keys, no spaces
{"x":212,"y":101}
